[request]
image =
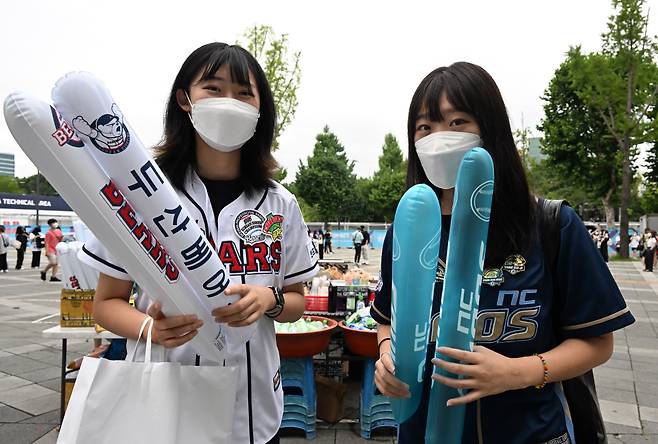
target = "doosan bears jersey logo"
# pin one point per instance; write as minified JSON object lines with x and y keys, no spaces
{"x":249,"y":226}
{"x":64,"y":134}
{"x":252,"y":227}
{"x":108,"y":133}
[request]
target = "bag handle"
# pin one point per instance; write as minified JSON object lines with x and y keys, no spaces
{"x":147,"y":355}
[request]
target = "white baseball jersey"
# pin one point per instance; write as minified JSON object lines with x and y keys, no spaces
{"x":263,"y":240}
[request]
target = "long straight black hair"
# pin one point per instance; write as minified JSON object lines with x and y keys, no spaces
{"x":470,"y":89}
{"x":176,"y":151}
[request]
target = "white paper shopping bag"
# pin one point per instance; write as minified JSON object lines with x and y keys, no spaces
{"x":163,"y":402}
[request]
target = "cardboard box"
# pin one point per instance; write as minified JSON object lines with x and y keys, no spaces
{"x":330,"y":399}
{"x":69,"y":382}
{"x":77,"y":308}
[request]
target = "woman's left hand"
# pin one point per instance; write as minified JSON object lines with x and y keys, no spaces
{"x":254,"y":301}
{"x":485,"y":371}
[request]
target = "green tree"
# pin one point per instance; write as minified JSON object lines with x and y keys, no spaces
{"x":649,"y":198}
{"x":388,"y":183}
{"x":582,"y":160}
{"x":283,"y":72}
{"x":546,"y":181}
{"x":357,"y":207}
{"x":327,"y":182}
{"x":29,"y":186}
{"x":522,"y":142}
{"x":8,"y":184}
{"x":620,"y":85}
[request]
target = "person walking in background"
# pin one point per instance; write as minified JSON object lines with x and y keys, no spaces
{"x":649,"y":250}
{"x":327,"y":242}
{"x":20,"y":249}
{"x":635,"y":243}
{"x":319,"y":240}
{"x":602,"y":243}
{"x":4,"y":244}
{"x":53,"y":237}
{"x":643,"y":245}
{"x":365,"y":246}
{"x":357,"y":241}
{"x":37,"y":245}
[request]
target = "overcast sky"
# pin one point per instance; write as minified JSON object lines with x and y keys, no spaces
{"x":361,"y":60}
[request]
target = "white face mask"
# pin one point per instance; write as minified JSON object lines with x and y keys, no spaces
{"x":225,"y":124}
{"x":440,"y":154}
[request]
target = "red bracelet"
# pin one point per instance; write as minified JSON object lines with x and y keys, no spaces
{"x":545,"y":365}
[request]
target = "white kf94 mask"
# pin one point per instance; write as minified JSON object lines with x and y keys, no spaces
{"x":225,"y":124}
{"x":440,"y":154}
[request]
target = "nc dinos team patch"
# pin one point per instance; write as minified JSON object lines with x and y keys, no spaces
{"x":493,"y":277}
{"x":514,"y":264}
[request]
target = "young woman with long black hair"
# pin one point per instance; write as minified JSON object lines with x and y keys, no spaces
{"x":216,"y":151}
{"x":536,"y":327}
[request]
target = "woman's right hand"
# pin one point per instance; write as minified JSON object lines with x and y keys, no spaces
{"x":385,"y":378}
{"x":172,"y":331}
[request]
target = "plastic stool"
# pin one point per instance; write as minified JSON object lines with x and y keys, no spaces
{"x":376,"y":410}
{"x":299,"y":411}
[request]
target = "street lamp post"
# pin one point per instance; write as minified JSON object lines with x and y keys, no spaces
{"x":37,"y":221}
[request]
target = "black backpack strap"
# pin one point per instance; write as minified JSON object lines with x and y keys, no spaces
{"x":548,"y":215}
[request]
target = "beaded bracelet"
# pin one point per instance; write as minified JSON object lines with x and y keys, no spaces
{"x":543,"y":361}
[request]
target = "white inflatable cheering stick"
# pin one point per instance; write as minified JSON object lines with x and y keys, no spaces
{"x":51,"y":144}
{"x":82,"y":98}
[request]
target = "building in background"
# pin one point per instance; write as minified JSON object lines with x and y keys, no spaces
{"x":7,"y":165}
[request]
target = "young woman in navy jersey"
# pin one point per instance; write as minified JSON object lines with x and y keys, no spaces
{"x":216,"y":151}
{"x":536,"y":326}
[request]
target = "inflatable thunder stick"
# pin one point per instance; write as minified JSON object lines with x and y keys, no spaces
{"x":416,"y":240}
{"x":461,"y":289}
{"x":52,"y":146}
{"x":85,"y":102}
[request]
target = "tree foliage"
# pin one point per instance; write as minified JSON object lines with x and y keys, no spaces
{"x":282,"y":69}
{"x":26,"y":185}
{"x":327,"y":182}
{"x":581,"y":156}
{"x":388,"y":183}
{"x":620,"y":84}
{"x":9,"y":184}
{"x":29,"y":186}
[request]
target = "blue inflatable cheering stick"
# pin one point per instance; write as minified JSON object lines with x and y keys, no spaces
{"x":416,"y":240}
{"x":461,"y":290}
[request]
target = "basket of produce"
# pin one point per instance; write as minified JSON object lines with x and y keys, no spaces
{"x":360,"y":331}
{"x":308,"y":336}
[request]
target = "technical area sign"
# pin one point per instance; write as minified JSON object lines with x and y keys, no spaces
{"x":30,"y":202}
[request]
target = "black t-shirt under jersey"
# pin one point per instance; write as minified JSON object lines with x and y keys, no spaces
{"x":222,"y":192}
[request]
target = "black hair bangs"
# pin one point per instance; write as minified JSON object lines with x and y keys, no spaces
{"x":235,"y":57}
{"x":439,"y":82}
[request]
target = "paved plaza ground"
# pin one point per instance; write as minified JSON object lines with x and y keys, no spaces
{"x":29,"y":364}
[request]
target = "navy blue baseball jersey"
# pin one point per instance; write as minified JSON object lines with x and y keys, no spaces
{"x":519,"y":316}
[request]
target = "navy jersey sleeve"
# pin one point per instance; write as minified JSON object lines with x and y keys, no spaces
{"x":380,"y":310}
{"x":589,"y":302}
